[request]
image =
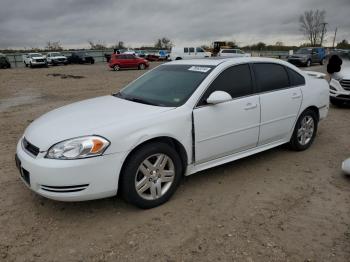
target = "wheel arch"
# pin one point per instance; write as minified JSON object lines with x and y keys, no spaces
{"x":313,"y":108}
{"x":179,"y":148}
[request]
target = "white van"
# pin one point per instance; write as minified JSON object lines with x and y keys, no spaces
{"x":178,"y":53}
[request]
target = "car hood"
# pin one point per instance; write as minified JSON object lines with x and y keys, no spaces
{"x":58,"y":57}
{"x":85,"y":118}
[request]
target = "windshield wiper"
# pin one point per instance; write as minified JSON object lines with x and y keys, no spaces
{"x":134,"y":99}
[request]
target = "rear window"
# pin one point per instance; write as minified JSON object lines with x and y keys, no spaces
{"x":270,"y":76}
{"x":295,"y":78}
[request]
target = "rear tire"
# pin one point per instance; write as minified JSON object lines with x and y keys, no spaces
{"x":142,"y":66}
{"x":304,"y":131}
{"x":116,"y":68}
{"x":151,"y":175}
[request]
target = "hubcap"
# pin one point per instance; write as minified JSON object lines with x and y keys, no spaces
{"x":306,"y":130}
{"x":116,"y":68}
{"x":154,"y":176}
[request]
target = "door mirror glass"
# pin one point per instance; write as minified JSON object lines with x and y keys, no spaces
{"x":218,"y":97}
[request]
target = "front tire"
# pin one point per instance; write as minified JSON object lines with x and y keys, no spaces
{"x":151,"y":175}
{"x":142,"y":66}
{"x":304,"y":131}
{"x":116,"y":68}
{"x":322,"y":61}
{"x":308,"y":63}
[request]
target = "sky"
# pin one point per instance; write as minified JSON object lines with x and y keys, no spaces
{"x":32,"y":23}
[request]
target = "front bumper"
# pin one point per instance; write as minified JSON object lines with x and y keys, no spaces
{"x":340,"y":95}
{"x":346,"y":166}
{"x":297,"y":61}
{"x":70,"y":180}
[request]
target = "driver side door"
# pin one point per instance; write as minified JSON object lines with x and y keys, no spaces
{"x":229,"y":127}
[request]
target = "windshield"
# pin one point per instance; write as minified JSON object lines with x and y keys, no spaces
{"x":56,"y":54}
{"x":304,"y":51}
{"x":36,"y":55}
{"x":167,"y":85}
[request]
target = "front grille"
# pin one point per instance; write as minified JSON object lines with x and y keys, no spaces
{"x":30,"y":147}
{"x":61,"y":59}
{"x":64,"y":189}
{"x":39,"y":60}
{"x":345,"y":83}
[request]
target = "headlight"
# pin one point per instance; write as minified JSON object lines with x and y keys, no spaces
{"x":77,"y":148}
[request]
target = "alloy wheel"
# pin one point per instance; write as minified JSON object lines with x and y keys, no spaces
{"x":154,"y":176}
{"x":306,"y":130}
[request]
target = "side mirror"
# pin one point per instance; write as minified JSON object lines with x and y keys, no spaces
{"x":218,"y":97}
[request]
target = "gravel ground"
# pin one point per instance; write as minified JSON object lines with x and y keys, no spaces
{"x":278,"y":205}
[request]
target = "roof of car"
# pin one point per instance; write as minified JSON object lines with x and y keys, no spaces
{"x":215,"y":61}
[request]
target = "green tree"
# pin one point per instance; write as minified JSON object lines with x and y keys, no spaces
{"x":343,"y":44}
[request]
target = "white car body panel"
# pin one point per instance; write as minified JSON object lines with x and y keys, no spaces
{"x":346,"y":166}
{"x":232,"y":53}
{"x":340,"y":84}
{"x":217,"y":139}
{"x":178,"y":53}
{"x":27,"y":59}
{"x":279,"y":111}
{"x":218,"y":132}
{"x":51,"y":57}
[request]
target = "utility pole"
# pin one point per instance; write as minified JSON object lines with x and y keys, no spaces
{"x":335,"y":35}
{"x":323,"y":29}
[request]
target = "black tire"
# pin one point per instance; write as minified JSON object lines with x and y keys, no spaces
{"x":142,"y":66}
{"x":294,"y":142}
{"x":308,"y":63}
{"x":178,"y":58}
{"x":92,"y":61}
{"x":336,"y":102}
{"x":30,"y":65}
{"x":116,"y":67}
{"x":131,"y":173}
{"x":322,"y":61}
{"x":25,"y":64}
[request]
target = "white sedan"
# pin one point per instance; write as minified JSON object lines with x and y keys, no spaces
{"x":179,"y":118}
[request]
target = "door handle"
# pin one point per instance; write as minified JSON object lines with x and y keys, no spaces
{"x":296,"y":96}
{"x":250,"y":106}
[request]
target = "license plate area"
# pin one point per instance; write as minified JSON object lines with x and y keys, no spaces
{"x":23,"y":173}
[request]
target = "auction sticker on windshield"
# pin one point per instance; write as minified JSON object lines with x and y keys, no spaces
{"x":199,"y":69}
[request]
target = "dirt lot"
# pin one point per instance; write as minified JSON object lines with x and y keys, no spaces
{"x":275,"y":206}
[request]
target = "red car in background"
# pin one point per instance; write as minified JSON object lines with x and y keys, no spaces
{"x":119,"y":61}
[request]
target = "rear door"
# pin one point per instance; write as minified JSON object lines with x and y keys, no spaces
{"x":230,"y":127}
{"x":280,"y":101}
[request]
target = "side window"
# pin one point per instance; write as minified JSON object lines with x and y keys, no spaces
{"x":235,"y":80}
{"x":270,"y":76}
{"x":191,"y":49}
{"x":186,"y":50}
{"x":199,"y":50}
{"x":295,"y":78}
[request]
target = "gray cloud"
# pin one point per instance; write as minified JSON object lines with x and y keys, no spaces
{"x":32,"y":23}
